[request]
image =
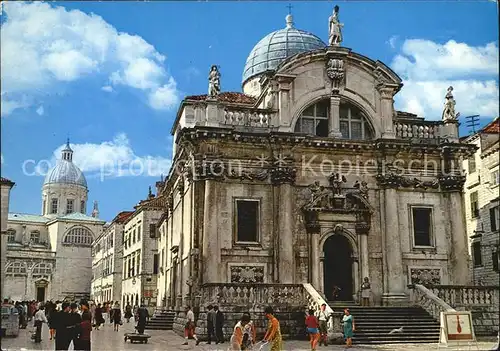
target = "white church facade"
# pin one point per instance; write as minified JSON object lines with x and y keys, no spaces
{"x":310,"y":176}
{"x":48,"y":256}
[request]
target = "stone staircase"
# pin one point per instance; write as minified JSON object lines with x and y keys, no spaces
{"x":373,"y":324}
{"x":161,"y":320}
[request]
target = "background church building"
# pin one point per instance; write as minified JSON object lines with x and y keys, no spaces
{"x":48,"y":256}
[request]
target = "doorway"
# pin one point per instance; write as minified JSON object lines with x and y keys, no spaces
{"x":40,"y":293}
{"x":337,"y":268}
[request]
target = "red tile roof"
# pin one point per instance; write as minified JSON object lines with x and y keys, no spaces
{"x":122,"y":216}
{"x":493,"y":127}
{"x":232,"y":97}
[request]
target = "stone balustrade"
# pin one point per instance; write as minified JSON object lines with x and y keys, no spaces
{"x":417,"y":129}
{"x":249,"y":117}
{"x":314,"y":302}
{"x":461,"y":296}
{"x":425,"y":298}
{"x":253,"y":294}
{"x":482,"y":301}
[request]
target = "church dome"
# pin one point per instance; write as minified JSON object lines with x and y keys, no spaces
{"x":277,"y":46}
{"x":66,"y":172}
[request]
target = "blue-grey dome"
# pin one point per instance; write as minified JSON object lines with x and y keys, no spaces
{"x":65,"y":172}
{"x":277,"y":46}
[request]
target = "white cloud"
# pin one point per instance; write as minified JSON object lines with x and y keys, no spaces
{"x":43,"y":45}
{"x":40,"y":111}
{"x":107,"y":88}
{"x":392,"y":41}
{"x":111,"y":159}
{"x":429,"y":68}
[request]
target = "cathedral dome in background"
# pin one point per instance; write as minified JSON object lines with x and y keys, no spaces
{"x":66,"y":172}
{"x":277,"y":46}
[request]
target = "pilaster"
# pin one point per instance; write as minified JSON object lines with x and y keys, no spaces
{"x":211,"y":249}
{"x":387,"y":92}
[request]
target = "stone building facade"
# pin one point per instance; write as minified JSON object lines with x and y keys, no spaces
{"x":310,"y":176}
{"x":5,"y":188}
{"x":140,"y":253}
{"x":48,"y":255}
{"x":482,"y":204}
{"x":107,"y":255}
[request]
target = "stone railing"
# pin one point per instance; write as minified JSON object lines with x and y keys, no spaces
{"x":482,"y":301}
{"x":314,"y":302}
{"x":251,"y":117}
{"x":253,"y":294}
{"x":463,"y":296}
{"x":425,"y":298}
{"x":417,"y":129}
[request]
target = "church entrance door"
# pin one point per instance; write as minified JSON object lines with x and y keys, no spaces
{"x":40,"y":294}
{"x":337,"y":268}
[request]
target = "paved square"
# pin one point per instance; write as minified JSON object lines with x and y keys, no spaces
{"x":107,"y":339}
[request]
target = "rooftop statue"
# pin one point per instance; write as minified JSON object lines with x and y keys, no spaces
{"x":335,"y":28}
{"x":449,"y":113}
{"x":213,"y":82}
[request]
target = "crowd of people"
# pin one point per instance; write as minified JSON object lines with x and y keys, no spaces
{"x":73,"y":322}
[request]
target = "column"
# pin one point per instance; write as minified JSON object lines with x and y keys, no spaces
{"x":355,"y":276}
{"x":363,"y":243}
{"x":334,"y":118}
{"x":315,"y":261}
{"x":211,"y":251}
{"x":459,"y":251}
{"x":386,"y":109}
{"x":395,"y":280}
{"x":286,"y":263}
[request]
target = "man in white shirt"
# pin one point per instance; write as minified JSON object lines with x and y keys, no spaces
{"x":39,"y":319}
{"x":189,"y":329}
{"x":323,"y":317}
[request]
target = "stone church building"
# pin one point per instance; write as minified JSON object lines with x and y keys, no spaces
{"x":310,"y":176}
{"x":48,"y":255}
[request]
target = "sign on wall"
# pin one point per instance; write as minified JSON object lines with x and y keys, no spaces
{"x":456,"y":327}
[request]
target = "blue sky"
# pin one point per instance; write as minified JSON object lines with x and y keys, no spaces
{"x":111,"y":76}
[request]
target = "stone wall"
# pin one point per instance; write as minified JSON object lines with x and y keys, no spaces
{"x":291,"y":322}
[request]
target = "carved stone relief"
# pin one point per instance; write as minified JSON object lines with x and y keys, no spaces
{"x":393,"y":180}
{"x":335,"y":71}
{"x":247,"y":274}
{"x":425,"y":276}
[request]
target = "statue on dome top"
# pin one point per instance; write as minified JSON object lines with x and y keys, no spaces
{"x":213,"y":82}
{"x":335,"y":28}
{"x":449,"y":113}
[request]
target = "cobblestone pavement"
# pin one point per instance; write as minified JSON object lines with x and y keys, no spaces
{"x":106,"y":339}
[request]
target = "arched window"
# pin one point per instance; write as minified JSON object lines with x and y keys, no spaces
{"x":43,"y":269}
{"x":16,"y":268}
{"x":78,"y":236}
{"x":315,"y":121}
{"x":11,"y":235}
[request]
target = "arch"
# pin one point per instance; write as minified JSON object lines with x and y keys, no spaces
{"x":78,"y":235}
{"x":16,"y":268}
{"x":42,"y":268}
{"x":314,"y":97}
{"x":340,"y":230}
